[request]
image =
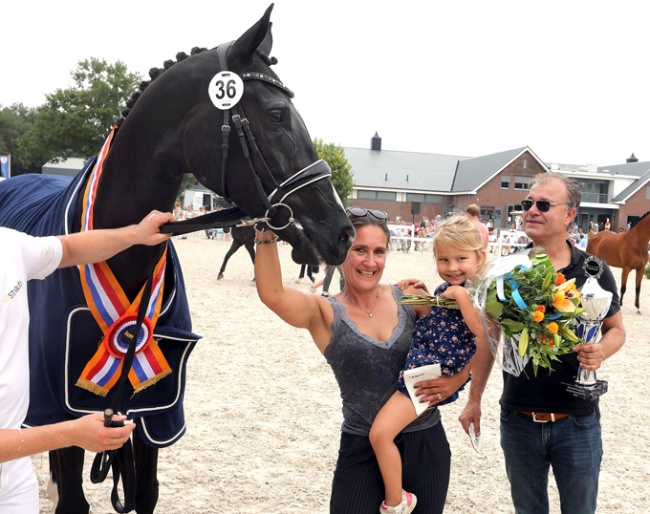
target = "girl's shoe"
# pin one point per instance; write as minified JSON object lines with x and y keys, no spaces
{"x":409,"y":501}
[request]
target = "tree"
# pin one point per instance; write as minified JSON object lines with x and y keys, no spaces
{"x":14,"y":122}
{"x":74,"y":122}
{"x":342,"y":176}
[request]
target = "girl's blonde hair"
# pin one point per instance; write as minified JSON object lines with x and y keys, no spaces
{"x":459,"y":231}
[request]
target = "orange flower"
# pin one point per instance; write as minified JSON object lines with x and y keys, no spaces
{"x":538,"y":316}
{"x":561,"y":279}
{"x":552,"y":327}
{"x":541,"y":308}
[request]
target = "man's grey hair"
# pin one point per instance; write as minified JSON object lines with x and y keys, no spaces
{"x":572,"y":187}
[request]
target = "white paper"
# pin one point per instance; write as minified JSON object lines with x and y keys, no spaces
{"x":476,"y":440}
{"x":413,"y":376}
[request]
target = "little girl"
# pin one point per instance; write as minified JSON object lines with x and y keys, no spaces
{"x":444,"y":336}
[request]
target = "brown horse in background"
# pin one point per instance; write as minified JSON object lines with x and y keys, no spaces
{"x":627,"y":250}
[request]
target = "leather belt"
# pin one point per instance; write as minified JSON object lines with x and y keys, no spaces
{"x":545,"y":417}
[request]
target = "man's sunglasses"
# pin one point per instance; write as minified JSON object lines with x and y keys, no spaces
{"x":542,"y":205}
{"x":360,"y":212}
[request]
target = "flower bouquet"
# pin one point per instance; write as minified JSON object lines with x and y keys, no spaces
{"x":536,"y":308}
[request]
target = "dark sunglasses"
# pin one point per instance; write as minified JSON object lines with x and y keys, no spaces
{"x":542,"y":205}
{"x":360,"y":212}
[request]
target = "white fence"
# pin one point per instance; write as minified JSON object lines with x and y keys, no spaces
{"x":503,"y":242}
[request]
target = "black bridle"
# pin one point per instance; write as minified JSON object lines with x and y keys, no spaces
{"x":274,"y":202}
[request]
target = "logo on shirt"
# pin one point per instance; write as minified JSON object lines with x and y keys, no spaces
{"x":13,"y":293}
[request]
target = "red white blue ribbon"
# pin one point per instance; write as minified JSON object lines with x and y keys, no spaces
{"x":115,"y":314}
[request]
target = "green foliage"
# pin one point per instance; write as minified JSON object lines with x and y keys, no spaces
{"x":647,"y":270}
{"x":15,"y":121}
{"x":74,"y":122}
{"x":342,"y":176}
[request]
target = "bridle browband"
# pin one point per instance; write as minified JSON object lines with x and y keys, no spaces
{"x":273,"y":202}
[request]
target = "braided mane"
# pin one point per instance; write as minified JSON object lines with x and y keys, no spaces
{"x":154,"y":73}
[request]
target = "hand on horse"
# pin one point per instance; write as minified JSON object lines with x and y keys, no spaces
{"x":92,"y":435}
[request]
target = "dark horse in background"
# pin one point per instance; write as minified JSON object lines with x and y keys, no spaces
{"x":627,"y":250}
{"x":173,"y":127}
{"x":241,"y":236}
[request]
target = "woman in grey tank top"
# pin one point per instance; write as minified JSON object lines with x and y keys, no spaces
{"x":364,"y":333}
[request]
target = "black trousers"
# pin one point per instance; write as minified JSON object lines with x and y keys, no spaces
{"x":358,"y":488}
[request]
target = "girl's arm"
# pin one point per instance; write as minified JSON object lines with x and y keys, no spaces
{"x":470,"y":314}
{"x":298,"y":309}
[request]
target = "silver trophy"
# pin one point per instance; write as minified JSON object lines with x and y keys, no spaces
{"x":596,"y":302}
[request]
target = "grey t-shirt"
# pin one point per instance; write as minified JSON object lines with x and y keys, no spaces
{"x":366,"y":369}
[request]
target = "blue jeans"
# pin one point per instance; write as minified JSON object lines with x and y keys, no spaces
{"x":572,"y":445}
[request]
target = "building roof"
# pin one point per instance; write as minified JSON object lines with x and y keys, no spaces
{"x":410,"y":171}
{"x":387,"y":169}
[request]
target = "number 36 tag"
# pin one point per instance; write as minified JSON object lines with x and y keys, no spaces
{"x":225,"y":90}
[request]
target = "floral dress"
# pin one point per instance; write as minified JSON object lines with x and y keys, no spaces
{"x":440,"y":337}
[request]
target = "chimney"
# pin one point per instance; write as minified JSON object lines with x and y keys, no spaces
{"x":375,"y":142}
{"x":631,"y":158}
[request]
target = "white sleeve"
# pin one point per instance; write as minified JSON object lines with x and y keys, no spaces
{"x":42,"y":255}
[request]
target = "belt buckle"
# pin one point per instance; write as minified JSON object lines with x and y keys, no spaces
{"x":550,"y":414}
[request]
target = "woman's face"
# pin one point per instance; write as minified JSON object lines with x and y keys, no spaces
{"x":366,"y":258}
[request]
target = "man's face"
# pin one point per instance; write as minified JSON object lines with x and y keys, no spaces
{"x":550,"y":226}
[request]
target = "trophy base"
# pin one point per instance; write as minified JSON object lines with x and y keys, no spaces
{"x":590,"y":393}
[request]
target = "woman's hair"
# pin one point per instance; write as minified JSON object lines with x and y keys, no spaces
{"x":460,"y":232}
{"x":370,"y":221}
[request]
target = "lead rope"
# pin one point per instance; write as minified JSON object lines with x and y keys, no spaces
{"x":122,"y":460}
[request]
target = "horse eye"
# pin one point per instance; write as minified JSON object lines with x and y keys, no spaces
{"x":275,"y":117}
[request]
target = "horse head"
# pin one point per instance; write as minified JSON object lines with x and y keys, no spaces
{"x":230,"y":121}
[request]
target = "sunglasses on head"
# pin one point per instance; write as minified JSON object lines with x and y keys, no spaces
{"x":360,"y":212}
{"x":542,"y":205}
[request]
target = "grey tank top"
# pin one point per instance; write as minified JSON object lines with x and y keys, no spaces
{"x":366,"y":369}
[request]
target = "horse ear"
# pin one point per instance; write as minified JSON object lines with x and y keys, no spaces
{"x":259,"y":34}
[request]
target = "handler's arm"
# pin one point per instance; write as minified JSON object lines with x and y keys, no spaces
{"x":298,"y":309}
{"x":87,"y":432}
{"x":101,"y":244}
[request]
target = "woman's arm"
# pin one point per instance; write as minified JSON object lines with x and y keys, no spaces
{"x":298,"y":309}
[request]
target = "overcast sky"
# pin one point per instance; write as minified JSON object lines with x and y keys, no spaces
{"x":567,"y":78}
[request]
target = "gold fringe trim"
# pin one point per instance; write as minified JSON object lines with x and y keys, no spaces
{"x":92,"y":387}
{"x":152,"y":381}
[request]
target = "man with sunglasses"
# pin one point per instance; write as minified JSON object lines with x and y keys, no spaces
{"x":542,"y":424}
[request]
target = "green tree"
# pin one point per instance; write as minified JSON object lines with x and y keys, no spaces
{"x":74,"y":122}
{"x":342,"y":176}
{"x":15,"y":121}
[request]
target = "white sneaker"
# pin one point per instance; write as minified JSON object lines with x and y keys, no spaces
{"x":409,"y":501}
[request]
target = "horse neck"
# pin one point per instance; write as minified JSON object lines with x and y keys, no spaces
{"x":131,"y":186}
{"x":641,"y":231}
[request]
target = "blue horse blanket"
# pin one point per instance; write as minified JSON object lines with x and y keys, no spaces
{"x":63,"y":334}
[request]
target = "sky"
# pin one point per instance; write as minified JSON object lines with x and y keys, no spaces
{"x":469,"y":78}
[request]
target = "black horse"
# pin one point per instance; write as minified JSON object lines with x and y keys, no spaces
{"x":223,"y":115}
{"x":241,"y":236}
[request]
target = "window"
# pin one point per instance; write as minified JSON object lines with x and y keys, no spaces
{"x":386,"y":195}
{"x":505,"y":182}
{"x":424,"y":198}
{"x":525,"y":163}
{"x":364,"y":194}
{"x":522,"y":183}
